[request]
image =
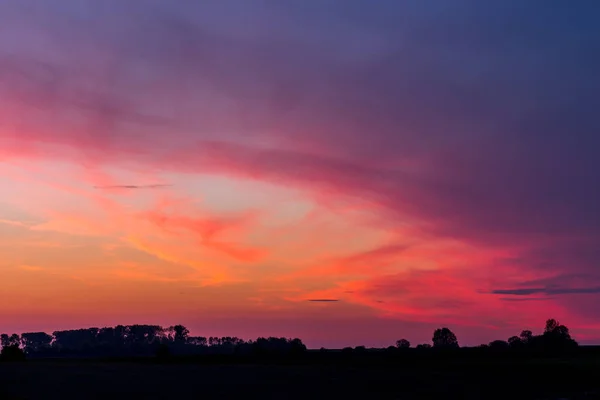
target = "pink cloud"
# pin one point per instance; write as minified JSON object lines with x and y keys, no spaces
{"x":475,"y":174}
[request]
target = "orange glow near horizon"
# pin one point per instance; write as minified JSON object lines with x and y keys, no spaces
{"x":177,"y":163}
{"x":212,"y":250}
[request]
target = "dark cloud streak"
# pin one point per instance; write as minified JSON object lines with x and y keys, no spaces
{"x":323,"y":300}
{"x":511,"y":299}
{"x":547,"y":291}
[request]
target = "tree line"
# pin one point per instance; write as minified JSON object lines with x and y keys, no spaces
{"x":136,"y":340}
{"x":154,"y":340}
{"x":555,"y":336}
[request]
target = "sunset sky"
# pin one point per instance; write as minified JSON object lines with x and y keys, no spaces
{"x":417,"y":163}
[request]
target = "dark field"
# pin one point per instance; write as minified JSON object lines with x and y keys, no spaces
{"x":525,"y":379}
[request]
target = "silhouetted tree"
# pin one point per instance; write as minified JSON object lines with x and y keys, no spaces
{"x":403,"y":344}
{"x":12,"y":340}
{"x":12,"y":353}
{"x":551,"y":325}
{"x":515,"y":342}
{"x":76,"y":339}
{"x":120,"y":333}
{"x":108,"y":340}
{"x":278,"y":346}
{"x":423,"y":346}
{"x":296,"y":346}
{"x":4,"y":340}
{"x":181,"y":333}
{"x":197,"y":341}
{"x":360,"y":349}
{"x":556,"y":336}
{"x":526,"y":336}
{"x":143,"y":335}
{"x":554,"y":328}
{"x":227,"y":344}
{"x":444,"y":338}
{"x":35,"y":342}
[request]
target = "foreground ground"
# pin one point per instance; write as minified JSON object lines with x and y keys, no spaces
{"x":529,"y":379}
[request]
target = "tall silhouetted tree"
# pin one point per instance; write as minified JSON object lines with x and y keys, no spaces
{"x":444,"y":338}
{"x":181,"y":333}
{"x":551,"y":325}
{"x":556,"y":336}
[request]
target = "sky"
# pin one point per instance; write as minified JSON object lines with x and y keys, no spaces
{"x":349,"y":172}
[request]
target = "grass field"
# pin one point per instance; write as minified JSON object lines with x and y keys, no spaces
{"x":545,"y":379}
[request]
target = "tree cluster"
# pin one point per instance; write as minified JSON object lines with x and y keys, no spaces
{"x":137,"y":340}
{"x":554,"y":337}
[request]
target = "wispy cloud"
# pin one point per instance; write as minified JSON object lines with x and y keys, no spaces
{"x":212,"y":231}
{"x":457,"y":144}
{"x":33,"y":268}
{"x":17,"y":223}
{"x":132,"y":186}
